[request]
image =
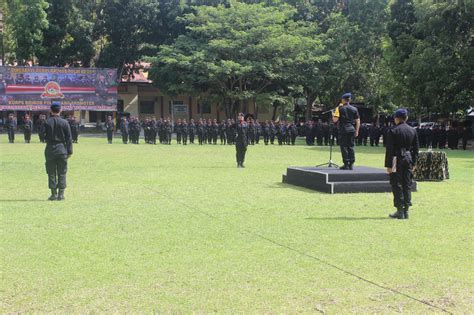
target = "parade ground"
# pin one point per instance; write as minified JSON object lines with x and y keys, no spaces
{"x":179,"y":229}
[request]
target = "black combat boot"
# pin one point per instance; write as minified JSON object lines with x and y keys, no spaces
{"x":61,"y":194}
{"x":54,"y":195}
{"x":351,"y":166}
{"x":345,"y":167}
{"x":405,"y":212}
{"x":398,"y":215}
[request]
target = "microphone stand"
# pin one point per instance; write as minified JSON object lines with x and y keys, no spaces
{"x":330,"y":163}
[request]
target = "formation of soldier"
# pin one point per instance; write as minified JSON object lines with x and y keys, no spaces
{"x":440,"y":136}
{"x":211,"y":131}
{"x":205,"y":131}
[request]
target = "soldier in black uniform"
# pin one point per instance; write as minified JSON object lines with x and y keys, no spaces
{"x":57,"y":134}
{"x":293,"y":132}
{"x":177,"y":129}
{"x":74,"y":129}
{"x":374,"y":134}
{"x":347,"y":117}
{"x":191,"y":131}
{"x":124,"y":130}
{"x":258,"y":131}
{"x":400,"y":157}
{"x":184,"y":132}
{"x":27,"y":128}
{"x":266,"y":132}
{"x":222,"y":131}
{"x":109,"y":125}
{"x":40,"y":127}
{"x":10,"y":124}
{"x":229,"y":133}
{"x":241,"y":139}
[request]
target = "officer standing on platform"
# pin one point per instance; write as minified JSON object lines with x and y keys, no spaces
{"x":400,"y":157}
{"x":57,"y":134}
{"x":347,"y":117}
{"x":241,"y":140}
{"x":109,"y":125}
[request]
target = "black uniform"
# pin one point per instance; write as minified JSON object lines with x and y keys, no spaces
{"x":191,"y":132}
{"x":10,"y":124}
{"x":110,"y":130}
{"x":402,"y":143}
{"x":74,"y":130}
{"x":57,"y":134}
{"x":124,"y":131}
{"x":27,"y":129}
{"x":40,"y":128}
{"x":241,"y":141}
{"x":347,"y":116}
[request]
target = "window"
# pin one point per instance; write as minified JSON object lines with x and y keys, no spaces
{"x":147,"y":107}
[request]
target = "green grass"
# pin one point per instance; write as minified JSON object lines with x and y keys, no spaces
{"x":181,"y":229}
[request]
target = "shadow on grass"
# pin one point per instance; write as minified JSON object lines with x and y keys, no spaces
{"x":349,"y":218}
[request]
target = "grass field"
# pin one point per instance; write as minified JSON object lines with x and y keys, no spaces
{"x":181,"y":229}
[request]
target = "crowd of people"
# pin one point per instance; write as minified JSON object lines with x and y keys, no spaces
{"x":211,"y":131}
{"x":204,"y":131}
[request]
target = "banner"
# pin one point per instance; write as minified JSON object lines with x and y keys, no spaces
{"x":34,"y":88}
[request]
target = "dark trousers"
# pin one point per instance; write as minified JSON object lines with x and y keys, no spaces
{"x":191,"y":138}
{"x":109,"y":135}
{"x":241,"y":149}
{"x":124,"y":137}
{"x":401,"y":183}
{"x":74,"y":135}
{"x":265,"y":139}
{"x":346,"y":142}
{"x":56,"y":165}
{"x":11,"y":135}
{"x":27,"y":134}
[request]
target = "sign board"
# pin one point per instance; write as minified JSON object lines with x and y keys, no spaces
{"x":34,"y":88}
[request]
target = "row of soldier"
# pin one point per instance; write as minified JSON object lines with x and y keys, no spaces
{"x":204,"y":131}
{"x":210,"y":131}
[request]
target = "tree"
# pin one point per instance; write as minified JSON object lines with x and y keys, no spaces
{"x":26,"y":20}
{"x":236,"y":52}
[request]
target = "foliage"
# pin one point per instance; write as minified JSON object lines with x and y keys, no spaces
{"x":411,"y":53}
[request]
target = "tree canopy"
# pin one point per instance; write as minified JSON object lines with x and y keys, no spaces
{"x":412,"y":53}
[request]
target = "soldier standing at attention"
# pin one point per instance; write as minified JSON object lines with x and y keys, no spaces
{"x":124,"y":130}
{"x":400,"y":157}
{"x":40,"y":127}
{"x":177,"y":129}
{"x":74,"y":129}
{"x":27,"y":128}
{"x":191,"y":131}
{"x":184,"y":132}
{"x":347,"y":117}
{"x":266,"y":132}
{"x":57,"y":134}
{"x":222,"y":131}
{"x":241,"y":140}
{"x":10,"y":124}
{"x":109,"y":125}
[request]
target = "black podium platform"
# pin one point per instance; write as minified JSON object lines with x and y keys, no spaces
{"x":333,"y":180}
